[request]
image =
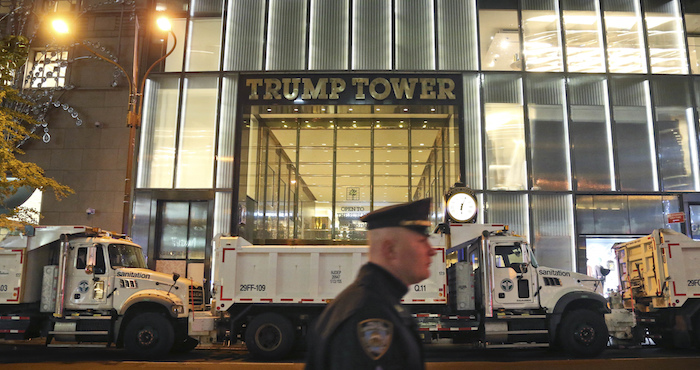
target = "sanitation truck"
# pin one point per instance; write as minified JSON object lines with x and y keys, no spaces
{"x":659,"y":296}
{"x":82,"y":286}
{"x":486,"y":288}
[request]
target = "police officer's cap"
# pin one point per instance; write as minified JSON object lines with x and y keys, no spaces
{"x":411,"y":215}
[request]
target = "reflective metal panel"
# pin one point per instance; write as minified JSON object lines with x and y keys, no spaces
{"x":371,"y":35}
{"x":227,"y":132}
{"x":473,"y":176}
{"x":245,"y":33}
{"x":456,"y":35}
{"x":204,"y":46}
{"x":328,"y":34}
{"x":286,"y":35}
{"x":415,"y":35}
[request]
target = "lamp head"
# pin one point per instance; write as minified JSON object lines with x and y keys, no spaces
{"x":163,"y":23}
{"x":60,"y":26}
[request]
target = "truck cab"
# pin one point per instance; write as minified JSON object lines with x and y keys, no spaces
{"x":82,"y":286}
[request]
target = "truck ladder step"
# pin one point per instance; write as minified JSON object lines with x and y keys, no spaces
{"x":95,"y":317}
{"x":525,"y":317}
{"x":518,"y":345}
{"x":540,"y":331}
{"x":100,"y":332}
{"x":67,"y":345}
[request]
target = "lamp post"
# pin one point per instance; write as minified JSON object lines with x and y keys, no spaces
{"x":135,"y":105}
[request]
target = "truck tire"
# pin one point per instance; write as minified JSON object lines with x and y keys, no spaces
{"x":583,"y":333}
{"x":149,"y":335}
{"x":269,"y":336}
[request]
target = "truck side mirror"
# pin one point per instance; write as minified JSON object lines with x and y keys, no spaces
{"x":175,"y":276}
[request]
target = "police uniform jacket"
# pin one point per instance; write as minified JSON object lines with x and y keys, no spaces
{"x":365,"y":327}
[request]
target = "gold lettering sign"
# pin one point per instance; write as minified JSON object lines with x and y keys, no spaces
{"x":325,"y":88}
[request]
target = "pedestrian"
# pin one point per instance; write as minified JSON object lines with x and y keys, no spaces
{"x":365,"y":327}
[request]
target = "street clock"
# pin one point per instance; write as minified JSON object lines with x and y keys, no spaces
{"x":461,"y":204}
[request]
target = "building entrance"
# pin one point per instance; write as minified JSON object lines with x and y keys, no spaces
{"x":308,"y":173}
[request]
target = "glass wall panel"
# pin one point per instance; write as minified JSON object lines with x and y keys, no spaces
{"x":624,"y":214}
{"x":665,"y":36}
{"x":505,"y":132}
{"x":634,"y":134}
{"x":195,"y":157}
{"x":583,"y":36}
{"x":415,"y":35}
{"x":590,"y":134}
{"x":184,"y":230}
{"x":499,"y":36}
{"x":372,"y":25}
{"x":156,"y":164}
{"x":355,"y":159}
{"x":456,"y":35}
{"x":173,"y":63}
{"x":676,"y":138}
{"x":286,"y":35}
{"x":473,"y":176}
{"x":226,"y":150}
{"x":328,"y":34}
{"x":624,"y":36}
{"x":508,"y":209}
{"x":692,"y":27}
{"x":542,"y":35}
{"x":549,"y":135}
{"x":204,"y":46}
{"x":553,"y":227}
{"x":245,"y":33}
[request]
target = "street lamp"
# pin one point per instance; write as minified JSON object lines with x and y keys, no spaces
{"x":135,"y":106}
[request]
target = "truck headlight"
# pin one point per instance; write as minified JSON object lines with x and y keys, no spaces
{"x":177,"y":309}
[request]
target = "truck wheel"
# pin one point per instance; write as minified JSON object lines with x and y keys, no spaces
{"x":149,"y":335}
{"x":583,"y":333}
{"x":269,"y":336}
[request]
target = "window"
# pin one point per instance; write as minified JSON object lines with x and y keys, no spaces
{"x":584,"y":42}
{"x":541,"y":35}
{"x":46,"y":69}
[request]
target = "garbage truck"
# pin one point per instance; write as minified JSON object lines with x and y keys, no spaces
{"x":659,"y":295}
{"x":486,"y":289}
{"x":78,"y":286}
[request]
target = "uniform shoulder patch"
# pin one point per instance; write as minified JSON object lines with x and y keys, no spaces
{"x":375,"y":336}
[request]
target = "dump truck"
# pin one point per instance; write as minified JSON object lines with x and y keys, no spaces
{"x":486,"y":288}
{"x":79,"y":286}
{"x":659,"y":295}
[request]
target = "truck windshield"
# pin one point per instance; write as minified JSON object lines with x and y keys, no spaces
{"x":121,"y":255}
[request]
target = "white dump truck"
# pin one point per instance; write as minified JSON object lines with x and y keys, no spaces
{"x":659,"y":296}
{"x":486,"y":288}
{"x":81,"y":286}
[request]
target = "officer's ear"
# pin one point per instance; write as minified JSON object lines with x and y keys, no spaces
{"x":388,"y":249}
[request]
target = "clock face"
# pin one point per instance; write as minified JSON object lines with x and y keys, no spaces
{"x":461,"y":207}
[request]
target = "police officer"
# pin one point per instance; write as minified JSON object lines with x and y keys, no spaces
{"x":366,"y":327}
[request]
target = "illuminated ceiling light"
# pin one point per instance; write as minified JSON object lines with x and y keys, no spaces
{"x":323,"y":109}
{"x":432,"y":109}
{"x":421,"y":144}
{"x":269,"y":109}
{"x":405,"y":109}
{"x":349,"y":109}
{"x":505,"y":43}
{"x":354,"y":125}
{"x":377,"y":109}
{"x":285,"y":126}
{"x":296,"y":109}
{"x":401,"y":126}
{"x":388,"y":144}
{"x":307,"y":121}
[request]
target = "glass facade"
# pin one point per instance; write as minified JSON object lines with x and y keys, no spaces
{"x":571,"y":119}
